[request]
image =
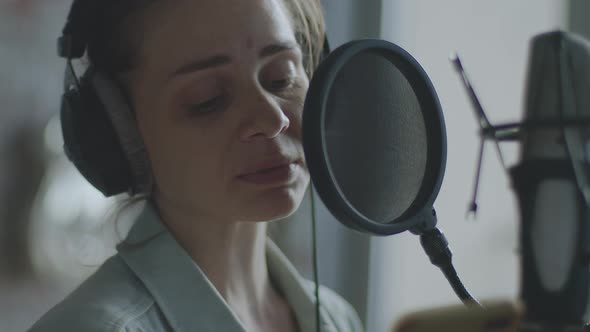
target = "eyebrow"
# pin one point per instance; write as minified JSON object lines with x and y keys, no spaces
{"x":220,"y":60}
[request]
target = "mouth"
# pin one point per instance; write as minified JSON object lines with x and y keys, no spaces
{"x":272,"y":173}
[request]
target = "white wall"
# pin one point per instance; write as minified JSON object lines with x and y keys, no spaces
{"x":492,"y":39}
{"x":30,"y":85}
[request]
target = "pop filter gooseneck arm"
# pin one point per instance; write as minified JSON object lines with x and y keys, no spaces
{"x":437,"y":248}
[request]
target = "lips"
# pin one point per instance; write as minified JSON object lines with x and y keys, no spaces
{"x":281,"y":170}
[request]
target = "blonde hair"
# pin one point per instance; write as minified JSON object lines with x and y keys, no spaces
{"x":310,"y":30}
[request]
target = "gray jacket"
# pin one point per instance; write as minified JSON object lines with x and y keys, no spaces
{"x":152,"y":284}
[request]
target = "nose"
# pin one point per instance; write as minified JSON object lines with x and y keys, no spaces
{"x":264,"y":116}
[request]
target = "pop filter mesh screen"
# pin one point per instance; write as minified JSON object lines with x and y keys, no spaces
{"x":375,"y":137}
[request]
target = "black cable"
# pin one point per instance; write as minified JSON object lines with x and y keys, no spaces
{"x":463,"y":294}
{"x":436,"y":247}
{"x":315,"y":261}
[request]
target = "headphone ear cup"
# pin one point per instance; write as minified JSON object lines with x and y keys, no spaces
{"x":90,"y":140}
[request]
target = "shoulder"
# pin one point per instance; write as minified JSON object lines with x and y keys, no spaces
{"x":109,"y":300}
{"x":342,"y":314}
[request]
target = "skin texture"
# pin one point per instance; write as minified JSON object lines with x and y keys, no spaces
{"x":205,"y":125}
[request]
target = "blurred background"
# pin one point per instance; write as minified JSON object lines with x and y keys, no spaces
{"x":55,"y":229}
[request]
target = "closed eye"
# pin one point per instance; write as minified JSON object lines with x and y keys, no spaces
{"x":280,"y":85}
{"x":208,"y":106}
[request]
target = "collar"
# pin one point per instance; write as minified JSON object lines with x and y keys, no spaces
{"x":298,"y":291}
{"x":187,"y":298}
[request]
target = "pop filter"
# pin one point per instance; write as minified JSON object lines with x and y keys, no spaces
{"x":374,"y":138}
{"x":375,"y":145}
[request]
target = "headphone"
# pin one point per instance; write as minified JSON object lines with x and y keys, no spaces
{"x":100,"y":135}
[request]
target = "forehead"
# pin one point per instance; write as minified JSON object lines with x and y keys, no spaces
{"x":179,"y":30}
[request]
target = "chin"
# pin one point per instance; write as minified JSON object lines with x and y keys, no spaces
{"x":277,"y":203}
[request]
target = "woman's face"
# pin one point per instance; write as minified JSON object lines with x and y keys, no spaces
{"x":219,"y":94}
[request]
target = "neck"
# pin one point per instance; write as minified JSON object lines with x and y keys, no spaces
{"x":231,"y":254}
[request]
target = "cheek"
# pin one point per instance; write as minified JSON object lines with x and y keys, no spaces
{"x":175,"y":145}
{"x":294,"y":110}
{"x":188,"y":174}
{"x":176,"y":156}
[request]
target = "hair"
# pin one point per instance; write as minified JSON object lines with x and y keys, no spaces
{"x":112,"y":31}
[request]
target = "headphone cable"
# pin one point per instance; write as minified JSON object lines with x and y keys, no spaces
{"x":315,"y":260}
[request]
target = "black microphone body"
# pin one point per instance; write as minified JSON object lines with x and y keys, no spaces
{"x":554,"y":229}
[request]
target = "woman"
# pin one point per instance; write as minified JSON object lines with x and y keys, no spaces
{"x":216,"y":89}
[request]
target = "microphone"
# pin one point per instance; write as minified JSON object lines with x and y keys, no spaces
{"x":551,"y":184}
